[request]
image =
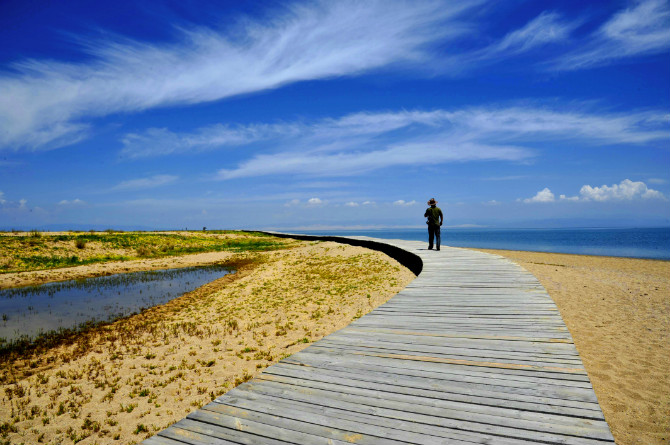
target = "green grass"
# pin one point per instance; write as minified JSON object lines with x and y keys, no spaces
{"x":37,"y":262}
{"x":43,"y":251}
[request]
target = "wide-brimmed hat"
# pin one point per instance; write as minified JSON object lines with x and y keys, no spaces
{"x":432,"y":202}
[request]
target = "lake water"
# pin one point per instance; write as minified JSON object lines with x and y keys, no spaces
{"x":31,"y":310}
{"x":652,"y":243}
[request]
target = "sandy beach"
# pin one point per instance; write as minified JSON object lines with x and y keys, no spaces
{"x":125,"y":381}
{"x":618,"y":312}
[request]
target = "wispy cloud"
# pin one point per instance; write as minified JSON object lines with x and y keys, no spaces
{"x":8,"y":205}
{"x":45,"y":103}
{"x":504,"y":178}
{"x":547,"y":28}
{"x":403,"y":203}
{"x":145,"y":183}
{"x":363,"y":142}
{"x":161,"y":141}
{"x":74,"y":202}
{"x":353,"y":163}
{"x":643,"y":29}
{"x":627,"y":190}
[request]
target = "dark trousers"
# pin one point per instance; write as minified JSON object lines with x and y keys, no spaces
{"x":433,"y":231}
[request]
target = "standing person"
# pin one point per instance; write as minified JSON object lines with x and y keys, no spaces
{"x":435,"y":220}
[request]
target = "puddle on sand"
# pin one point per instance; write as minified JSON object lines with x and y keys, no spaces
{"x":31,"y":310}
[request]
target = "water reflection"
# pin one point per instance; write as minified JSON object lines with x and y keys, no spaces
{"x":31,"y":310}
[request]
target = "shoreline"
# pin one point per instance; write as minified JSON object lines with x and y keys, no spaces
{"x":590,"y":255}
{"x":617,"y":310}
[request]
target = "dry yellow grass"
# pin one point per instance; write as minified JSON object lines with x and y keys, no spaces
{"x":126,"y":381}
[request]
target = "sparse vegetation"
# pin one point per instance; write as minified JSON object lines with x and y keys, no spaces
{"x":124,"y":381}
{"x":38,"y":251}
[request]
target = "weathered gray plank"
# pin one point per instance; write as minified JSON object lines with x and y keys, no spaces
{"x":408,"y":409}
{"x":363,"y":417}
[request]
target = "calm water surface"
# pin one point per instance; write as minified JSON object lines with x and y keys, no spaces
{"x":652,"y":243}
{"x":31,"y":310}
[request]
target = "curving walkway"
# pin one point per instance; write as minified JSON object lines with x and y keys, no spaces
{"x":472,"y":351}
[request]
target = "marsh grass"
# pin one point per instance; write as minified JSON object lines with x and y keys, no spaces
{"x":37,"y":251}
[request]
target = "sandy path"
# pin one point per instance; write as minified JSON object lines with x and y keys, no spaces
{"x":618,"y":312}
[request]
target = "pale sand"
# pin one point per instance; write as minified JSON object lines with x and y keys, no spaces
{"x":123,"y":383}
{"x":618,"y":312}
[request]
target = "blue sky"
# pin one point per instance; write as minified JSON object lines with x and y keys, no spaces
{"x":334,"y":113}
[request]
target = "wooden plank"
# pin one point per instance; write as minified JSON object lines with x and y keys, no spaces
{"x":245,"y":431}
{"x":407,"y":408}
{"x":321,"y":421}
{"x":364,"y":417}
{"x":378,"y":380}
{"x":511,"y":349}
{"x":192,"y":436}
{"x":312,"y":358}
{"x":471,"y":359}
{"x":160,"y":440}
{"x":365,"y":389}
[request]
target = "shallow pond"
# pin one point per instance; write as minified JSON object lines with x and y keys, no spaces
{"x":31,"y":310}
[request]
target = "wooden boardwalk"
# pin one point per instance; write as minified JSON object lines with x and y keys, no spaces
{"x":472,"y":351}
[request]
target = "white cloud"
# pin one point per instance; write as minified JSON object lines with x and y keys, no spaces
{"x":351,"y":204}
{"x":627,"y":190}
{"x":76,"y":201}
{"x":369,"y":203}
{"x":362,"y":142}
{"x":314,"y":201}
{"x":493,"y":202}
{"x":547,"y":28}
{"x":6,"y":204}
{"x":46,"y":103}
{"x":569,"y":198}
{"x":658,"y":181}
{"x":161,"y":141}
{"x":353,"y":163}
{"x":402,"y":202}
{"x":643,"y":29}
{"x":541,"y":123}
{"x":543,"y":195}
{"x":145,"y":183}
{"x":292,"y":203}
